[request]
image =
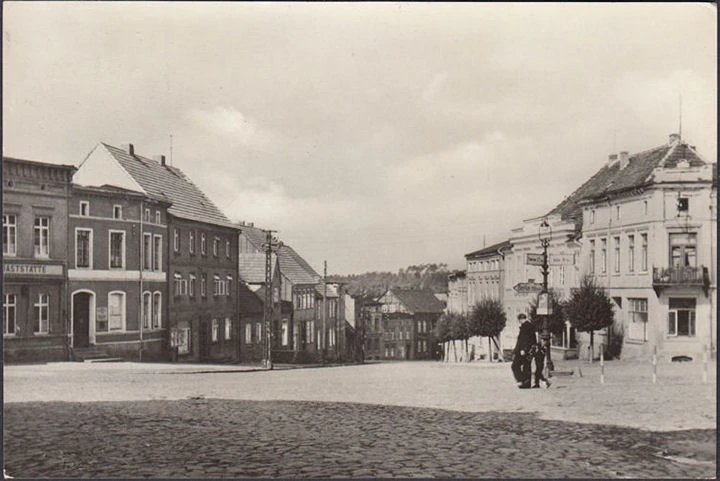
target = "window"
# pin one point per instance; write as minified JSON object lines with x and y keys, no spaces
{"x":42,"y":236}
{"x":228,"y":285}
{"x":84,"y":208}
{"x":117,"y":249}
{"x":176,"y":240}
{"x":157,"y":253}
{"x":683,"y":250}
{"x":83,"y":248}
{"x":41,"y":314}
{"x":146,"y":218}
{"x":258,"y":331}
{"x":284,"y":332}
{"x":616,"y":257}
{"x":158,"y":218}
{"x":681,"y":317}
{"x":9,"y":235}
{"x":182,"y":340}
{"x":216,"y":243}
{"x":146,"y":310}
{"x":638,"y":317}
{"x":117,"y":212}
{"x":228,"y":328}
{"x":9,"y":314}
{"x":191,"y":242}
{"x":617,"y":212}
{"x":643,"y":252}
{"x":180,"y":285}
{"x":157,"y":310}
{"x":592,"y":256}
{"x":631,"y":253}
{"x":592,"y":216}
{"x":116,"y":311}
{"x":310,"y":331}
{"x":645,"y":207}
{"x":203,"y":244}
{"x":603,"y":255}
{"x":147,"y":251}
{"x":227,"y":249}
{"x":191,"y":286}
{"x":215,"y":330}
{"x":248,"y":333}
{"x":203,"y":285}
{"x":683,"y":204}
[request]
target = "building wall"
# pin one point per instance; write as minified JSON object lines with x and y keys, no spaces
{"x":33,"y":190}
{"x":191,"y":316}
{"x":457,"y":294}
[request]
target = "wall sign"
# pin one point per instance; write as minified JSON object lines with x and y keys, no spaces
{"x":34,"y":269}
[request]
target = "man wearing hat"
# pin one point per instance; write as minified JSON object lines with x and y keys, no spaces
{"x":522,"y":362}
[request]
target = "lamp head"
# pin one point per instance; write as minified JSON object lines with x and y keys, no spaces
{"x":544,"y":231}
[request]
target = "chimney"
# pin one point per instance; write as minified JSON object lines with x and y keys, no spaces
{"x":129,"y":148}
{"x":160,"y":159}
{"x":612,"y":158}
{"x":624,"y":159}
{"x":673,"y":139}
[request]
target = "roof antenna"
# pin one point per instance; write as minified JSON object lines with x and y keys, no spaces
{"x":171,"y":161}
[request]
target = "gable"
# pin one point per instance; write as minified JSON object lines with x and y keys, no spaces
{"x":100,"y":168}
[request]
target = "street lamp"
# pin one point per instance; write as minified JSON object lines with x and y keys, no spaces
{"x":271,"y":245}
{"x":544,"y":304}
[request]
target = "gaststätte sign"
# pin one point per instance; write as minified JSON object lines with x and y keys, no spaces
{"x":33,"y":269}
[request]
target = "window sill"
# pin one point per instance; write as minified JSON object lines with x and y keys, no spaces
{"x":635,"y":341}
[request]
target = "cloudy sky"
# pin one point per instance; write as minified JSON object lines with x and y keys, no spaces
{"x":373,"y":136}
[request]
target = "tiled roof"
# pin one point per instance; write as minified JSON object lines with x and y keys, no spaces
{"x":295,"y":268}
{"x":249,"y":301}
{"x":638,"y":173}
{"x":188,"y":201}
{"x":489,"y":250}
{"x":418,"y":300}
{"x":331,"y":290}
{"x":255,"y":235}
{"x":251,"y":267}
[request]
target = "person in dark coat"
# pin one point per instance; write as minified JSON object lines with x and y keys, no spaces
{"x":522,"y":361}
{"x":537,"y":352}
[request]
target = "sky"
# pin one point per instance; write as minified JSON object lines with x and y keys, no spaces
{"x":370,"y":135}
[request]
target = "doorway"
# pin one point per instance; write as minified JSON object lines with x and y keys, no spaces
{"x":81,"y":318}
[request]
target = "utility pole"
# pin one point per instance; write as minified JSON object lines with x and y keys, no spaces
{"x":324,"y":313}
{"x":270,"y":243}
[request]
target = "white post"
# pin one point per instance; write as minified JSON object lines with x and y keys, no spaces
{"x":602,"y":367}
{"x":654,"y":361}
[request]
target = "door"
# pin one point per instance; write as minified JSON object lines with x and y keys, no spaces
{"x":81,"y":319}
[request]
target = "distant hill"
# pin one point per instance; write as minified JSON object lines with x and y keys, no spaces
{"x":423,"y":276}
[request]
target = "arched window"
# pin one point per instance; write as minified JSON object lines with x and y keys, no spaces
{"x":157,"y":310}
{"x":146,"y":312}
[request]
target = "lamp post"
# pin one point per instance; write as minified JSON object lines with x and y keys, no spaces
{"x":545,"y":234}
{"x":271,"y":244}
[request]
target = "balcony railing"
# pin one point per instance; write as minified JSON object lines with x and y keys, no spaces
{"x":681,"y":276}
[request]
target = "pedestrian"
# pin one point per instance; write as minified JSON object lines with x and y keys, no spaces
{"x":537,"y":352}
{"x":522,"y":362}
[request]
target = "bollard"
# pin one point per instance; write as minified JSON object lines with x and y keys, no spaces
{"x":705,"y":365}
{"x":654,"y":361}
{"x":602,"y":367}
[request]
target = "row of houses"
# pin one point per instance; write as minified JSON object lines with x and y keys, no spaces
{"x":124,"y":256}
{"x":643,"y":226}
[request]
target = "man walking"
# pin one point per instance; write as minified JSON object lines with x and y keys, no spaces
{"x":522,"y":361}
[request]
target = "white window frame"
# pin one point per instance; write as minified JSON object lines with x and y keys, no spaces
{"x":216,"y":246}
{"x":191,"y":241}
{"x":603,"y":255}
{"x":43,"y":231}
{"x":10,"y":233}
{"x":228,"y":284}
{"x":117,"y":211}
{"x":146,"y":311}
{"x":41,"y":313}
{"x":157,"y":253}
{"x":673,"y":321}
{"x":179,"y":284}
{"x":248,"y":333}
{"x":84,"y":209}
{"x":285,"y":331}
{"x":158,"y":217}
{"x":228,"y":328}
{"x":637,"y":315}
{"x":147,"y":252}
{"x":259,"y":331}
{"x":191,"y":285}
{"x":176,"y":240}
{"x":123,"y":308}
{"x":215,"y":330}
{"x":203,"y":285}
{"x":616,"y":254}
{"x":7,"y":306}
{"x":147,"y":215}
{"x":156,"y":310}
{"x":592,"y":256}
{"x":227,"y":248}
{"x":122,"y":250}
{"x":90,"y":248}
{"x":203,"y":243}
{"x":631,"y":253}
{"x":644,"y":252}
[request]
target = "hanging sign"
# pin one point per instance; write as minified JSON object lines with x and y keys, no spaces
{"x":544,"y":308}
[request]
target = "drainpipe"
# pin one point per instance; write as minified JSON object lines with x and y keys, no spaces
{"x":142,"y":266}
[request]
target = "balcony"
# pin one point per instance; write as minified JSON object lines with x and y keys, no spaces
{"x":681,"y":276}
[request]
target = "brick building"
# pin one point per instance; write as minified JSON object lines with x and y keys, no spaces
{"x":202,"y":251}
{"x":35,"y":255}
{"x":117,"y":277}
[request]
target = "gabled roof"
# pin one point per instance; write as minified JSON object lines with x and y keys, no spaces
{"x":491,"y":250}
{"x":330,"y":292}
{"x":255,"y":235}
{"x":295,"y":268}
{"x":168,"y":182}
{"x":418,"y":300}
{"x":249,"y":301}
{"x":637,"y":173}
{"x":251,"y":267}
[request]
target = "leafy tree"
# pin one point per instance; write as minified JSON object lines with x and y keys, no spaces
{"x":487,"y":319}
{"x":461,"y":330}
{"x":589,"y":308}
{"x":443,"y":331}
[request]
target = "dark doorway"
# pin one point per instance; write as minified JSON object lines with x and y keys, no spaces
{"x":204,"y":340}
{"x":81,"y":319}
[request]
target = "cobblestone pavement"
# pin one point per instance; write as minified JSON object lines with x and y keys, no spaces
{"x":205,"y":438}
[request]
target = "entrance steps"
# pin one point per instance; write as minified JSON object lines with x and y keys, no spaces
{"x":92,"y":354}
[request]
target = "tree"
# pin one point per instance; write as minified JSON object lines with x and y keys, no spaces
{"x":461,"y":331}
{"x":589,"y":309}
{"x":443,"y":330}
{"x":556,"y":320}
{"x":487,"y":319}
